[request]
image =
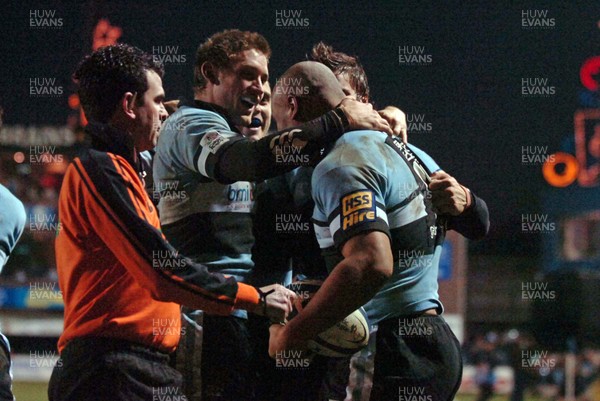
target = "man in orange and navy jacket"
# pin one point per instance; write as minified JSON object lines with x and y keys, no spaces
{"x":122,"y":282}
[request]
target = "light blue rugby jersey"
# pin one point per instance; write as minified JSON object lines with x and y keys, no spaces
{"x":205,"y":220}
{"x":362,"y":185}
{"x":12,"y":223}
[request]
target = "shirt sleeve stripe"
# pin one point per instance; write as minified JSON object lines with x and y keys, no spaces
{"x":335,"y":224}
{"x":324,"y":237}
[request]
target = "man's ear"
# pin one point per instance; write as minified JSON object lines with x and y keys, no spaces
{"x":292,"y":107}
{"x":127,"y":104}
{"x":210,"y":73}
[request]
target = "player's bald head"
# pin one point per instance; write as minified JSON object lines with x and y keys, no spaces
{"x":315,"y":87}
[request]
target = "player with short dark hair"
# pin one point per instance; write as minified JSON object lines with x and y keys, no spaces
{"x":102,"y":82}
{"x":382,"y":242}
{"x":122,"y":282}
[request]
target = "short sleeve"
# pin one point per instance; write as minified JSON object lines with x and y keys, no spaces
{"x":349,"y":200}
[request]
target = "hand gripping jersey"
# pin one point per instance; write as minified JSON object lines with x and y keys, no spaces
{"x":362,"y":185}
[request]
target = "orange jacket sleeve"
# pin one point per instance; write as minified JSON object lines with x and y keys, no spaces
{"x":107,"y":191}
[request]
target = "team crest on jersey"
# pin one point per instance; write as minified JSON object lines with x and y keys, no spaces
{"x":358,"y":207}
{"x":212,"y":140}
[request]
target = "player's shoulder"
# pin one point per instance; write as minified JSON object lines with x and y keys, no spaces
{"x":188,"y":117}
{"x":362,"y":138}
{"x":8,"y":199}
{"x":187,"y":128}
{"x":425,"y":158}
{"x":362,"y":147}
{"x":355,"y":150}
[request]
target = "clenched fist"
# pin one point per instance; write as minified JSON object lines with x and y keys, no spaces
{"x":277,"y":302}
{"x":448,"y":196}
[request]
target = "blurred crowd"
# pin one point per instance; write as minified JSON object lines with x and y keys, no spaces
{"x":35,"y":175}
{"x":37,"y":185}
{"x":535,"y":370}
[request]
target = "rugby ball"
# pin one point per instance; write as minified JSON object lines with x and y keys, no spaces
{"x":343,"y":338}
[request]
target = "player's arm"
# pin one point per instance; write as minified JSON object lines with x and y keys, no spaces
{"x":366,"y":266}
{"x":229,"y":159}
{"x":474,"y":221}
{"x":466,"y":213}
{"x":350,"y":216}
{"x":104,"y":191}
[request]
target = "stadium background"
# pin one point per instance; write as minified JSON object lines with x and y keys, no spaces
{"x":492,"y":91}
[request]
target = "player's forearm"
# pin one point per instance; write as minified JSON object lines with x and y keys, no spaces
{"x":474,"y":222}
{"x":281,"y":151}
{"x":351,"y":284}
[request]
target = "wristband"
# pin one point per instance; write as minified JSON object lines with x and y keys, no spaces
{"x":342,"y":117}
{"x":263,"y":298}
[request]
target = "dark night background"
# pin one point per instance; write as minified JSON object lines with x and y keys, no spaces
{"x":471,"y":93}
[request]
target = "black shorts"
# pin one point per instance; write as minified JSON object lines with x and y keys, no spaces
{"x":226,"y":359}
{"x":105,"y":369}
{"x":296,"y":379}
{"x":416,"y":358}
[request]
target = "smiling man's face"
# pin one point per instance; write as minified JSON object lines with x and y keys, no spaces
{"x":261,"y":117}
{"x":241,"y":87}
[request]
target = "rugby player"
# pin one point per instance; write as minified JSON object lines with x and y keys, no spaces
{"x":12,"y":223}
{"x":293,"y":245}
{"x":382,"y":241}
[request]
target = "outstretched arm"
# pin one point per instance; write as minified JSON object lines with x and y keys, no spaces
{"x":270,"y":156}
